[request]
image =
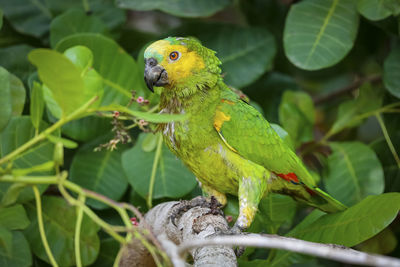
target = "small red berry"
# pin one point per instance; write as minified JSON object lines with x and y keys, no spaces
{"x":116,"y":114}
{"x":228,"y":218}
{"x":134,"y":221}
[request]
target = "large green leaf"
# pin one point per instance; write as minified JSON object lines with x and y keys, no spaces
{"x":65,"y":82}
{"x":378,"y":9}
{"x":297,"y":116}
{"x":59,"y":220}
{"x":21,"y":254}
{"x":171,"y":172}
{"x":15,"y":60}
{"x":87,"y":128}
{"x":5,"y":98}
{"x":18,"y":93}
{"x":391,"y":71}
{"x":182,"y":8}
{"x":318,"y":34}
{"x":108,"y":251}
{"x":19,"y":131}
{"x":354,"y":172}
{"x":99,"y":171}
{"x":348,"y":228}
{"x":349,"y":111}
{"x":14,"y":217}
{"x":246,"y":53}
{"x":118,"y":69}
{"x":1,"y":18}
{"x":37,"y":104}
{"x":74,"y":21}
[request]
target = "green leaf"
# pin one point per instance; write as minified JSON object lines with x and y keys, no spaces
{"x":246,"y":53}
{"x":14,"y":218}
{"x":150,"y":117}
{"x":5,"y":98}
{"x":99,"y":171}
{"x":138,"y":164}
{"x":65,"y":142}
{"x":318,"y":34}
{"x":391,"y":71}
{"x":350,"y":111}
{"x":14,"y":59}
{"x":181,"y":8}
{"x":74,"y":21}
{"x":6,"y":240}
{"x":17,"y":90}
{"x":59,"y":220}
{"x":18,"y":131}
{"x":10,"y":196}
{"x":348,"y":228}
{"x":376,"y":9}
{"x":297,"y":116}
{"x":21,"y":254}
{"x":118,"y":69}
{"x":383,"y":243}
{"x":108,"y":251}
{"x":149,"y":142}
{"x":65,"y":81}
{"x":1,"y":18}
{"x":37,"y":104}
{"x":87,"y":128}
{"x":276,"y":210}
{"x":354,"y":172}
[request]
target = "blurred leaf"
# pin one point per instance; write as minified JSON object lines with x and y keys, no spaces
{"x":118,"y":69}
{"x":28,"y":17}
{"x":19,"y":131}
{"x":65,"y":142}
{"x":349,"y":112}
{"x":383,"y":243}
{"x":87,"y":128}
{"x":276,"y":210}
{"x":181,"y":8}
{"x":149,"y":142}
{"x":108,"y":251}
{"x":1,"y":18}
{"x":59,"y":220}
{"x":74,"y":21}
{"x":21,"y":254}
{"x":5,"y":98}
{"x":37,"y":104}
{"x":14,"y":218}
{"x":245,"y":53}
{"x":391,"y":71}
{"x":375,"y":9}
{"x":6,"y":241}
{"x":348,"y":228}
{"x":354,"y":172}
{"x":297,"y":116}
{"x":318,"y":34}
{"x":15,"y":60}
{"x":10,"y":196}
{"x":65,"y":82}
{"x":99,"y":171}
{"x":138,"y":164}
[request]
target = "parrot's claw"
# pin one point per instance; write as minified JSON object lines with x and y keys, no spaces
{"x":199,"y":201}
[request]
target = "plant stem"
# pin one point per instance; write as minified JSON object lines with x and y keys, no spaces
{"x":154,"y":171}
{"x":48,"y":131}
{"x":387,"y":138}
{"x":79,"y":218}
{"x":41,"y":227}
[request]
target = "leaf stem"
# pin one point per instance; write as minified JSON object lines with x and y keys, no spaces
{"x":79,"y":218}
{"x":154,"y":171}
{"x":387,"y":138}
{"x":41,"y":227}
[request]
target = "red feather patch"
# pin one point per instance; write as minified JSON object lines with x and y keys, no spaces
{"x":290,"y":177}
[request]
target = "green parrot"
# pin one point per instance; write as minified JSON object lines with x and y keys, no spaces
{"x":224,"y":141}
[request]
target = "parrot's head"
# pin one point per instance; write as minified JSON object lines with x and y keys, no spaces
{"x":181,"y":65}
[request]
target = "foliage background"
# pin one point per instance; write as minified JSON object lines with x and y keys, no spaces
{"x":328,"y":72}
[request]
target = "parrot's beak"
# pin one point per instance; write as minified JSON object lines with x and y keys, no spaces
{"x":154,"y":74}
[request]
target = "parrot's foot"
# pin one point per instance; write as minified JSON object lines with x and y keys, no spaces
{"x":199,"y":201}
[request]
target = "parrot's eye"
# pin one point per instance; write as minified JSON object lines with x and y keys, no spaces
{"x":174,"y":55}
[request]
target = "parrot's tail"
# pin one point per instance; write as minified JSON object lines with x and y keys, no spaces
{"x":324,"y":201}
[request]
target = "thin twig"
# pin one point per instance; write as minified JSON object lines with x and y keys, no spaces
{"x":154,"y":171}
{"x":79,"y":218}
{"x":41,"y":226}
{"x":387,"y":138}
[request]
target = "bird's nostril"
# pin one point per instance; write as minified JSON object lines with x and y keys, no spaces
{"x":151,"y":62}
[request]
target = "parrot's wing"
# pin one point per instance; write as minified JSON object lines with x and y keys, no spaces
{"x":244,"y":130}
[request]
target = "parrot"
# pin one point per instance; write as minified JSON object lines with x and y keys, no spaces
{"x":228,"y":145}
